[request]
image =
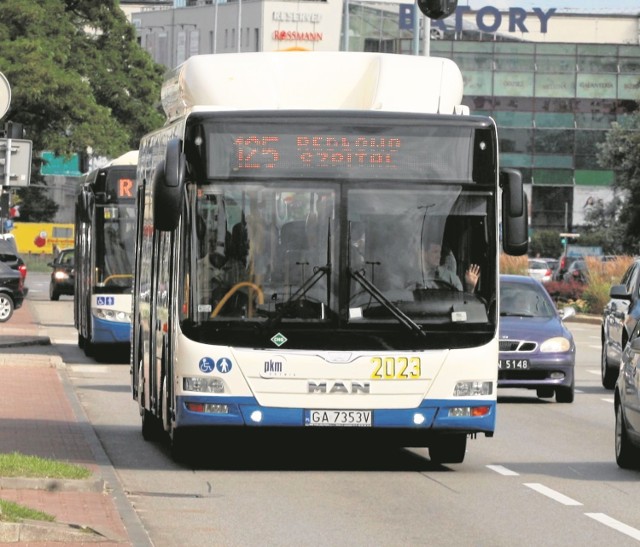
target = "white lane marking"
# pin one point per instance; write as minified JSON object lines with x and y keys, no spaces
{"x":594,"y":371}
{"x":615,"y":524}
{"x":608,"y":400}
{"x":65,"y":341}
{"x":502,"y":470}
{"x":557,"y":496}
{"x":88,"y":368}
{"x":596,"y":347}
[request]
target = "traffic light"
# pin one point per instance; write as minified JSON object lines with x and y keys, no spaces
{"x":437,"y":9}
{"x":568,"y":238}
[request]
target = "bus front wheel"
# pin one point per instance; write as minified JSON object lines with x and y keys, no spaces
{"x":448,"y":448}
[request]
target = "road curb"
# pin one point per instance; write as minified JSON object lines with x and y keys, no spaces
{"x":42,"y":531}
{"x":24,"y":341}
{"x":52,"y":485}
{"x":585,"y":318}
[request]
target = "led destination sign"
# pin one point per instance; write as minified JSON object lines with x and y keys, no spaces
{"x":441,"y":153}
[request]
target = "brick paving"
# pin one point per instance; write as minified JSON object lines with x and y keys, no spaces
{"x":37,"y":418}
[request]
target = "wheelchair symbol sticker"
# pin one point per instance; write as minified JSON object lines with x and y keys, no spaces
{"x":106,"y":300}
{"x":223,"y":365}
{"x":206,"y":364}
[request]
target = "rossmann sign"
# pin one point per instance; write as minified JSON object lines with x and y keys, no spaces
{"x":489,"y":19}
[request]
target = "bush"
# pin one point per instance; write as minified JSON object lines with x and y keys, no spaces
{"x":592,"y":296}
{"x":518,"y":265}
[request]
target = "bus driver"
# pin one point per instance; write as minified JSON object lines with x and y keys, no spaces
{"x":433,"y":271}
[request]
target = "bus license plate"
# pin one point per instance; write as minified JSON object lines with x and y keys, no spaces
{"x":513,"y":364}
{"x":339,"y":418}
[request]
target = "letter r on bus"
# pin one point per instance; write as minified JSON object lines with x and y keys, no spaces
{"x":125,"y":188}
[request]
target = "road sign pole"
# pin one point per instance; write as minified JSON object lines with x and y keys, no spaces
{"x":7,"y":164}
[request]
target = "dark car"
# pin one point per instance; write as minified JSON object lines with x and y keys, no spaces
{"x":537,"y":350}
{"x":9,"y":255}
{"x":619,"y":318}
{"x":12,"y":291}
{"x":62,"y":275}
{"x":576,"y":272}
{"x":626,"y":407}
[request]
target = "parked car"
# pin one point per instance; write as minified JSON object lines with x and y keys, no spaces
{"x":537,"y":351}
{"x":12,"y":291}
{"x":9,"y":255}
{"x":541,"y":269}
{"x":576,"y":272}
{"x":62,"y":274}
{"x":619,"y":319}
{"x":627,"y":411}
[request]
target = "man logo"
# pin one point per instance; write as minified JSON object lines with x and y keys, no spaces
{"x":346,"y":388}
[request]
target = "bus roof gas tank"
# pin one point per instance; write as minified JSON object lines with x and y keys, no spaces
{"x":314,"y":81}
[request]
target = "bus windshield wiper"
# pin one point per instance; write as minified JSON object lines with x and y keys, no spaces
{"x":318,"y":273}
{"x":402,"y":317}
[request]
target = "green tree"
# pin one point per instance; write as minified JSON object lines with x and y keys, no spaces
{"x":78,"y":76}
{"x":621,"y":151}
{"x":545,"y":243}
{"x":78,"y":79}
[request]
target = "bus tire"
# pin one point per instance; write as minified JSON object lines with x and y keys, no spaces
{"x":448,"y":448}
{"x":178,"y":445}
{"x":89,"y":348}
{"x":166,"y":406}
{"x":151,"y":427}
{"x":81,"y":341}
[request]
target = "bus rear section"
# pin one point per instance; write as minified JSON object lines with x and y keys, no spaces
{"x":104,"y":250}
{"x":315,"y":270}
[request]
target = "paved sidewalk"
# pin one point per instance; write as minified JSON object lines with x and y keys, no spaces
{"x":40,"y":415}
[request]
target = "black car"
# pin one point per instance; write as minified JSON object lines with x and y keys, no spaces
{"x":62,"y":274}
{"x":576,"y":272}
{"x":619,"y":318}
{"x":9,"y":255}
{"x":12,"y":291}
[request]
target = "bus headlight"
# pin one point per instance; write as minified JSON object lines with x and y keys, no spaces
{"x":112,"y":315}
{"x":203,"y":385}
{"x":472,"y":388}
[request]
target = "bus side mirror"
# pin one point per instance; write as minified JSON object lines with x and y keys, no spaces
{"x":168,"y":188}
{"x":437,"y":9}
{"x":515,"y":222}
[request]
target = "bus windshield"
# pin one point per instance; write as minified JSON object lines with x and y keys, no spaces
{"x":272,"y":254}
{"x":115,"y":240}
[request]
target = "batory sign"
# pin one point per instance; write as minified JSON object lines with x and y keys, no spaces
{"x":489,"y":19}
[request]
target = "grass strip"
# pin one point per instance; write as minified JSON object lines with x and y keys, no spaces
{"x":21,"y":465}
{"x":14,"y":512}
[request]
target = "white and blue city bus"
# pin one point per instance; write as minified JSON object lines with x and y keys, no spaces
{"x":104,"y":252}
{"x":280,"y":280}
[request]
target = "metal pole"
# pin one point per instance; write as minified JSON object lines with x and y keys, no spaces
{"x":215,"y":28}
{"x":239,"y":26}
{"x":427,"y":35}
{"x":345,"y":37}
{"x":7,"y":165}
{"x":416,"y":29}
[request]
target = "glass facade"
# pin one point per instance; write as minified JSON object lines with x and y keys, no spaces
{"x":553,"y":102}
